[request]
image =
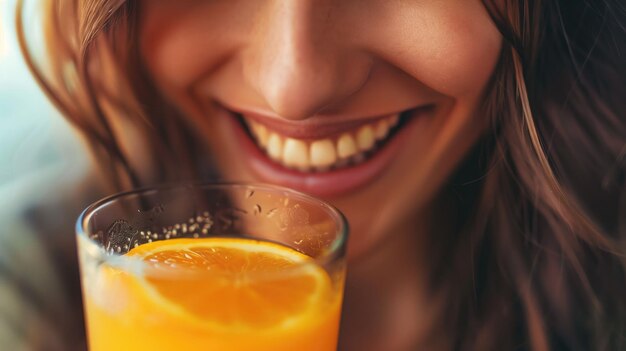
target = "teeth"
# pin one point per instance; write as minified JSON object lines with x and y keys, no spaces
{"x":365,"y":138}
{"x":346,"y":146}
{"x":393,"y":121}
{"x":275,"y":146}
{"x":296,"y":154}
{"x":324,"y":154}
{"x":262,"y":135}
{"x":382,"y":129}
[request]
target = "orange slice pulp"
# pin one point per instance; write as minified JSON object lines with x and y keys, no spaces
{"x":234,"y":284}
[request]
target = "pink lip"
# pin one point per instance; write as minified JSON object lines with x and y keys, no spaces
{"x":325,"y":184}
{"x":307,"y":130}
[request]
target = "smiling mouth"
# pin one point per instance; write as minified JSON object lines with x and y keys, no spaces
{"x":320,"y":152}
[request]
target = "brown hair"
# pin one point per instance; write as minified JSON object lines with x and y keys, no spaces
{"x":540,"y":260}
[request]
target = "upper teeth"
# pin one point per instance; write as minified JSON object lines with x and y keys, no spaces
{"x":322,"y":154}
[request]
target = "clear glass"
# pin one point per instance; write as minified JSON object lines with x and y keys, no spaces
{"x":133,"y":303}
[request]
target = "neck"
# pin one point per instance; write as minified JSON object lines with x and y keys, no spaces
{"x":387,"y":304}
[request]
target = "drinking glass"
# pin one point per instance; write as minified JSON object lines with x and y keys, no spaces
{"x":212,"y":267}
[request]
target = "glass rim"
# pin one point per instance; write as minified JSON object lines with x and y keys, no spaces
{"x":122,"y":261}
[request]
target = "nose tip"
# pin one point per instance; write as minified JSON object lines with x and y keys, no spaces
{"x":295,"y":65}
{"x":296,"y":89}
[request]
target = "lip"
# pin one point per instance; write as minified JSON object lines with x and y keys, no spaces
{"x":324,"y":184}
{"x":307,"y":129}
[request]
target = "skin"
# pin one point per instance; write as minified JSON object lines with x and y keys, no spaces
{"x":315,"y":61}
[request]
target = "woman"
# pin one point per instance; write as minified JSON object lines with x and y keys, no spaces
{"x":477,"y":148}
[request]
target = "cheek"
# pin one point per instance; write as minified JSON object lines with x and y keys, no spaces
{"x":452,"y":49}
{"x":174,"y":57}
{"x":462,"y":56}
{"x":180,"y":41}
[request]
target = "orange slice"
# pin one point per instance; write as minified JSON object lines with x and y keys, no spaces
{"x":234,"y":284}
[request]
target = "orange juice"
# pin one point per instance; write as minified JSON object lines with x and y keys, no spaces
{"x":213,"y":294}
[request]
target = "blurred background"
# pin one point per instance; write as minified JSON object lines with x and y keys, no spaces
{"x":42,"y":167}
{"x":36,"y":144}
